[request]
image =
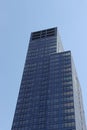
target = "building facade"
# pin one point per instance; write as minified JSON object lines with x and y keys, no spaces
{"x":50,"y":94}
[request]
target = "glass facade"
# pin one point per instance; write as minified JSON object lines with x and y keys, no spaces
{"x":46,"y":98}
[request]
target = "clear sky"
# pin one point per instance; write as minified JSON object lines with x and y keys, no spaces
{"x":17,"y":19}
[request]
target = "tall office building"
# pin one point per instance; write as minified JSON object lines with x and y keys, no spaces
{"x":50,"y":94}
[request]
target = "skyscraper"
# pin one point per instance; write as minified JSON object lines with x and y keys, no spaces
{"x":50,"y":94}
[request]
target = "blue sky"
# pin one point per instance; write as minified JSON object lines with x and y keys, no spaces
{"x":17,"y":19}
